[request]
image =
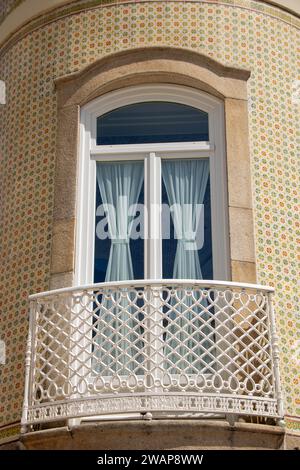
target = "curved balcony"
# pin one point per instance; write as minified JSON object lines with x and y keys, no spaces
{"x":155,"y":348}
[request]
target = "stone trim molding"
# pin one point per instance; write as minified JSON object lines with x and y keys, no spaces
{"x":159,"y":434}
{"x":144,"y":66}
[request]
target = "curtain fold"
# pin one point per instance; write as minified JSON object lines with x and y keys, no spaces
{"x":120,"y":185}
{"x":186,"y":182}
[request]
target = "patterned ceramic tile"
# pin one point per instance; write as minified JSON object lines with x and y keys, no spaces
{"x":242,"y":37}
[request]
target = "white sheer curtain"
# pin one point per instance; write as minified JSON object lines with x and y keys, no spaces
{"x":186,"y":182}
{"x":120,"y":185}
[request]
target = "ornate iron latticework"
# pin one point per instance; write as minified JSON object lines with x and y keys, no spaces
{"x":176,"y":347}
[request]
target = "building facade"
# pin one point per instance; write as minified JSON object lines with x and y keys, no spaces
{"x":67,"y":66}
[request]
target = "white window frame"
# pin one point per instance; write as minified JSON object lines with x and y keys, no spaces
{"x":90,"y":153}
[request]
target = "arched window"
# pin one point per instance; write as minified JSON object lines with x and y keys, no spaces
{"x":152,"y":122}
{"x":153,"y":198}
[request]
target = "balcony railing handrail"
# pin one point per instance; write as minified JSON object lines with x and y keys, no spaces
{"x":147,"y":282}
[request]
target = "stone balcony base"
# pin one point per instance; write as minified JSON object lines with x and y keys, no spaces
{"x":161,"y":435}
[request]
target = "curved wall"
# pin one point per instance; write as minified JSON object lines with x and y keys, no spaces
{"x":29,"y":8}
{"x":243,"y":35}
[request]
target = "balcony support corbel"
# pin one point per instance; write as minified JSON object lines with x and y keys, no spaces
{"x":231,"y":419}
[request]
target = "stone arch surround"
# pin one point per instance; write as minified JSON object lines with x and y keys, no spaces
{"x":144,"y":66}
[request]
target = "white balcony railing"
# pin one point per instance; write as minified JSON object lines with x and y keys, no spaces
{"x":169,"y":348}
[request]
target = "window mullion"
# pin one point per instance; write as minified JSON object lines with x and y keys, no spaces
{"x":153,"y":267}
{"x":153,"y":243}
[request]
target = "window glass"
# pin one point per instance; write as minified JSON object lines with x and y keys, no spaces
{"x":117,"y":254}
{"x":152,"y":122}
{"x":188,"y":253}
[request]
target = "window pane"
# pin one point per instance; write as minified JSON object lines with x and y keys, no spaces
{"x":181,"y":185}
{"x":118,"y":183}
{"x":152,"y":122}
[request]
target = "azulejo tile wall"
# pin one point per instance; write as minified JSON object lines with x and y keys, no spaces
{"x":238,"y":33}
